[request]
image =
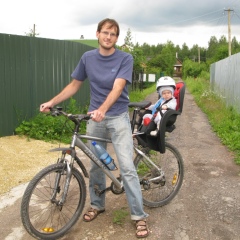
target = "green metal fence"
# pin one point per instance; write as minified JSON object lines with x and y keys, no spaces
{"x":33,"y":70}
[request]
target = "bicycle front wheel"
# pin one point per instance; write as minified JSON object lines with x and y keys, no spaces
{"x":43,"y":214}
{"x":161,"y":191}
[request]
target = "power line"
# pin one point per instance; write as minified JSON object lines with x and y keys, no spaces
{"x":189,"y":19}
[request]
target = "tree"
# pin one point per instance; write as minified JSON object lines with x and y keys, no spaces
{"x":221,"y":53}
{"x":223,"y":40}
{"x":168,"y":58}
{"x":193,"y":69}
{"x":137,"y":54}
{"x":235,"y":46}
{"x":184,"y":52}
{"x":194,"y":53}
{"x":128,"y":40}
{"x":212,"y":46}
{"x":32,"y":32}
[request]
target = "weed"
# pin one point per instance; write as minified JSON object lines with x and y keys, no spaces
{"x":119,"y":216}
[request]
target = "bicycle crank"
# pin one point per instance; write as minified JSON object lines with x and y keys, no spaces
{"x":115,"y":189}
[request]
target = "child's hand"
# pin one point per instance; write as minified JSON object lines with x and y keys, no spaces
{"x":164,"y":107}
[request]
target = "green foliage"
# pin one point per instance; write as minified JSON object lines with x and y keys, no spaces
{"x":204,"y":74}
{"x":137,"y":54}
{"x":119,"y":216}
{"x":136,"y":96}
{"x":128,"y":40}
{"x":168,"y":58}
{"x":193,"y":69}
{"x":48,"y":128}
{"x":163,"y":61}
{"x":224,"y":120}
{"x":221,"y":53}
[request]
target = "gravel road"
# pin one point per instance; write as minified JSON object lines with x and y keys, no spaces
{"x":206,"y":208}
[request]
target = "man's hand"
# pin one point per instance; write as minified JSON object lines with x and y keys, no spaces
{"x":45,"y":107}
{"x":97,"y":115}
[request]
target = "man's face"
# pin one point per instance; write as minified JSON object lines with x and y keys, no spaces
{"x":107,"y":37}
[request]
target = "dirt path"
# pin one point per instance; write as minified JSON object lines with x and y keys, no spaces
{"x":206,"y":208}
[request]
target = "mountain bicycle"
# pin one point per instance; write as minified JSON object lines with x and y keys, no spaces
{"x":54,"y":199}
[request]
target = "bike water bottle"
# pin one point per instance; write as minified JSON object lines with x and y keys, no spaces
{"x":104,"y":156}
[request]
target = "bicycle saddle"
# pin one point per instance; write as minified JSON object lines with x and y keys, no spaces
{"x":142,"y":104}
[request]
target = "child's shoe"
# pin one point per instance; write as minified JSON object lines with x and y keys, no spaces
{"x":154,"y":133}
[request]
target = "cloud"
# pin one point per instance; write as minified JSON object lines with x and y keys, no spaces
{"x":152,"y":21}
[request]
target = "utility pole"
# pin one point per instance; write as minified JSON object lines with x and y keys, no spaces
{"x":229,"y":31}
{"x":34,"y":30}
{"x":199,"y":55}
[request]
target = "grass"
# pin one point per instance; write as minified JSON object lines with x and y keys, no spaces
{"x":89,"y":42}
{"x":225,"y":120}
{"x":119,"y":216}
{"x":136,"y":96}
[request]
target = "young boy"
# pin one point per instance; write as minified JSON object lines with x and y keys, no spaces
{"x":166,"y":101}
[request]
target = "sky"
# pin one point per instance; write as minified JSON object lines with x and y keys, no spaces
{"x":150,"y":21}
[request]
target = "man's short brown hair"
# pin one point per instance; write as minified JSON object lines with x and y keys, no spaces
{"x":112,"y":23}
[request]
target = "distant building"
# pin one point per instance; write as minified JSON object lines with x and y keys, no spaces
{"x":177,"y":67}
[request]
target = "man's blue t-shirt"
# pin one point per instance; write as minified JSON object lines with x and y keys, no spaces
{"x":102,"y":71}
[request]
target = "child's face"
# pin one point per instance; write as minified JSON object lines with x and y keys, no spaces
{"x":166,"y":94}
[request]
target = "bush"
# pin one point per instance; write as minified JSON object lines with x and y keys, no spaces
{"x":193,"y":69}
{"x":48,"y":128}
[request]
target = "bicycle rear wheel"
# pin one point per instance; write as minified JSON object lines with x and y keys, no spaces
{"x":160,"y":192}
{"x":42,"y":215}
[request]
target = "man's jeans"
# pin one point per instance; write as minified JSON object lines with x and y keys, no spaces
{"x":119,"y":129}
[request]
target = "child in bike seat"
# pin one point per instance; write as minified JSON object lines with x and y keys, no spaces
{"x":165,"y":102}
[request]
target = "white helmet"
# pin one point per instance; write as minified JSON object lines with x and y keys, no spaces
{"x":165,"y":82}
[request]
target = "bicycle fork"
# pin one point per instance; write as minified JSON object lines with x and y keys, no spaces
{"x":65,"y":187}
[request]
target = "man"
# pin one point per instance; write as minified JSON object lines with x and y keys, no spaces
{"x":109,"y":71}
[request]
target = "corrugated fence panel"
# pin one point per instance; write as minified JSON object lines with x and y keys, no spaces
{"x":225,"y":80}
{"x":14,"y":88}
{"x":32,"y":71}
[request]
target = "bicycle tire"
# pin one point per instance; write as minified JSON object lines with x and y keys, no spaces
{"x":41,"y":217}
{"x":158,"y":193}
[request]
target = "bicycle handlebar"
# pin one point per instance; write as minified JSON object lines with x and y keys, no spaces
{"x":73,"y":117}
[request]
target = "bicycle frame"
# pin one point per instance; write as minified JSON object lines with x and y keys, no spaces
{"x":77,"y":141}
{"x":89,"y":153}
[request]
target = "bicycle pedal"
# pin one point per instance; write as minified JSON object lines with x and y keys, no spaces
{"x":99,"y":192}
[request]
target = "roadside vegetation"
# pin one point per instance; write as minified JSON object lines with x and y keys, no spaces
{"x":47,"y":128}
{"x":225,"y":121}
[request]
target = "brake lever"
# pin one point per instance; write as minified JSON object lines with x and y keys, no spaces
{"x":54,"y":112}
